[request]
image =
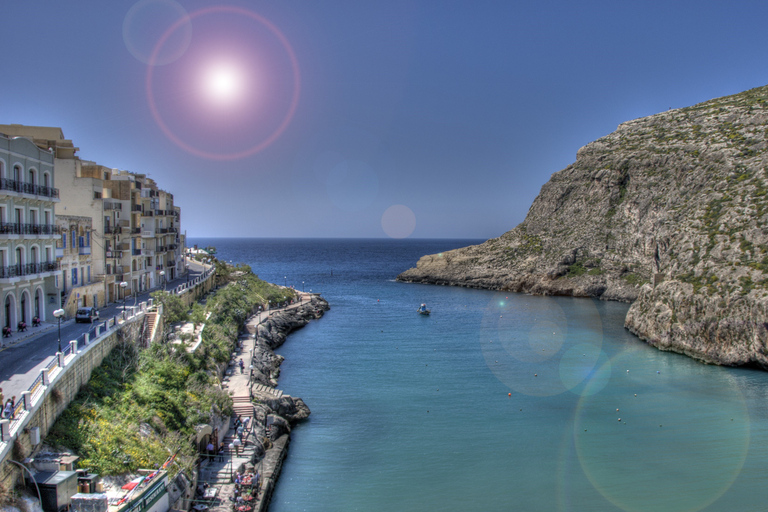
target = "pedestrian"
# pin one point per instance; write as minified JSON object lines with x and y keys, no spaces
{"x":211,"y":449}
{"x":8,"y":409}
{"x":240,"y":431}
{"x":237,"y":444}
{"x":1,"y":396}
{"x":242,"y":365}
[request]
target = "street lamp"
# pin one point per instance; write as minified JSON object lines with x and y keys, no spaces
{"x":123,"y":285}
{"x":286,"y":281}
{"x":162,"y":276}
{"x":58,"y":314}
{"x":187,"y":267}
{"x":302,"y":287}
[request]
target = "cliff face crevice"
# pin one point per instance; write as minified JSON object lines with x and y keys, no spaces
{"x":668,"y":212}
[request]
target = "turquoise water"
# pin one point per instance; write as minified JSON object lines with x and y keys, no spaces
{"x":496,"y":401}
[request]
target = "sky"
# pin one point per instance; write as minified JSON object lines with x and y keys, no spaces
{"x":305,"y":118}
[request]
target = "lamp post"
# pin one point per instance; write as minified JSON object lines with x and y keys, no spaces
{"x":123,"y":285}
{"x":162,"y":276}
{"x":187,"y":267}
{"x":302,"y":287}
{"x":58,"y":314}
{"x":286,"y":281}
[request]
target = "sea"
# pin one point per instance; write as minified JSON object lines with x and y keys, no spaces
{"x":496,"y":401}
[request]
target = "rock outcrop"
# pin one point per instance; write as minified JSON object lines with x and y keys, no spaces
{"x":668,"y":212}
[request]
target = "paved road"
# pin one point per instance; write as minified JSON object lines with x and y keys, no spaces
{"x":20,"y":364}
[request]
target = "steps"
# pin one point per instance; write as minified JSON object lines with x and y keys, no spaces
{"x":266,"y":391}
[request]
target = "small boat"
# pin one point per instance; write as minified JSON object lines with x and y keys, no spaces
{"x":423,"y":310}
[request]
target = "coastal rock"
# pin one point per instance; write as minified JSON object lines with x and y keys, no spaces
{"x":288,"y":407}
{"x":278,"y":426}
{"x":669,"y":212}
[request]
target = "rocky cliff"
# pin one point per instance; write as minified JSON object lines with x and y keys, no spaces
{"x":668,"y":212}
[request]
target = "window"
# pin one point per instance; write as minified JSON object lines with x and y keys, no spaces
{"x":89,"y":273}
{"x":74,"y":276}
{"x":87,"y":238}
{"x":74,"y":239}
{"x":96,"y":195}
{"x":64,"y":240}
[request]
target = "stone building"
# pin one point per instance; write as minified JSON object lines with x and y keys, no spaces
{"x":80,"y":286}
{"x":135,"y":226}
{"x":29,"y":272}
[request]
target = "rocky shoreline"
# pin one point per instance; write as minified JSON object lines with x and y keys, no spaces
{"x":274,"y":416}
{"x":669,"y":212}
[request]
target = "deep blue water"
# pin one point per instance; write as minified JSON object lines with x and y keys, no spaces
{"x":496,"y":401}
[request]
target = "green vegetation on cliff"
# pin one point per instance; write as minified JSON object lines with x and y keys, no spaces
{"x":141,"y":405}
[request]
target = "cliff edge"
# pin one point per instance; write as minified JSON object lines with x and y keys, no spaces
{"x":668,"y":212}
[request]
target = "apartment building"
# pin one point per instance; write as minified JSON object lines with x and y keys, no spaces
{"x":29,"y":272}
{"x":79,"y":284}
{"x":135,"y":226}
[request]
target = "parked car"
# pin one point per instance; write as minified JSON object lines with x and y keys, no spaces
{"x":86,"y":315}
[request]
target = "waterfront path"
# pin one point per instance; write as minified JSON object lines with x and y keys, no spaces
{"x":218,"y":471}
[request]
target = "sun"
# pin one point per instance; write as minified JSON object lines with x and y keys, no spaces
{"x":223,"y":83}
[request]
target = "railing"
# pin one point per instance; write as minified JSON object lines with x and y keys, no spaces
{"x":28,"y":188}
{"x":173,"y":230}
{"x":114,"y":254}
{"x":148,"y":213}
{"x":136,"y":208}
{"x":135,"y":231}
{"x":84,"y":251}
{"x":162,"y":248}
{"x":28,"y":269}
{"x":109,"y":205}
{"x":43,"y":380}
{"x":136,"y":252}
{"x":15,"y":228}
{"x":161,"y":231}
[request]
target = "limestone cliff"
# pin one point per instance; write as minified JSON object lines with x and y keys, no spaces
{"x":668,"y":212}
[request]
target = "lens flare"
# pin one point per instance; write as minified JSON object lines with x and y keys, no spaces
{"x":398,"y":221}
{"x":236,"y":123}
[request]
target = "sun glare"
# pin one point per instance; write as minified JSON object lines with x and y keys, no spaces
{"x":223,"y":83}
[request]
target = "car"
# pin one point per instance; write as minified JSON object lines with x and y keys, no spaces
{"x":86,"y":315}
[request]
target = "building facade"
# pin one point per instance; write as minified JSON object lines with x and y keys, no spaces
{"x":29,"y":272}
{"x":80,"y":286}
{"x":135,"y":235}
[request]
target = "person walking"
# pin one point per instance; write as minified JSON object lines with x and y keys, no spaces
{"x":242,"y":365}
{"x":237,"y":444}
{"x":8,"y":409}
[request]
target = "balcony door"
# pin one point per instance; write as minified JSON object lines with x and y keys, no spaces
{"x":19,"y":262}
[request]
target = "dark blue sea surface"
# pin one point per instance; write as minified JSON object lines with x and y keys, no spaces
{"x":496,"y":401}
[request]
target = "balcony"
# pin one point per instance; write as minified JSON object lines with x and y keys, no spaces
{"x":28,"y":269}
{"x":173,"y":230}
{"x":172,"y":247}
{"x":147,"y":252}
{"x":135,"y":231}
{"x":161,"y":231}
{"x":112,"y":230}
{"x":14,"y":228}
{"x":136,"y":208}
{"x":114,"y":254}
{"x":136,"y":252}
{"x":28,"y":188}
{"x":148,"y":213}
{"x":84,"y":251}
{"x":109,"y":205}
{"x":161,"y":248}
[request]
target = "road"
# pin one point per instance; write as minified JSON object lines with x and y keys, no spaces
{"x":20,"y":364}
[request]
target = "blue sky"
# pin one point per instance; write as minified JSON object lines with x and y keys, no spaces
{"x":405,"y":118}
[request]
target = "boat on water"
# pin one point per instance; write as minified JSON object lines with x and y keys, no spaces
{"x":423,"y":310}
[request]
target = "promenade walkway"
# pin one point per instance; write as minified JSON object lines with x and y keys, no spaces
{"x":218,"y":471}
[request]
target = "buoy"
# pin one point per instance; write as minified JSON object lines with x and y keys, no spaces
{"x":619,"y":419}
{"x":377,"y":300}
{"x":617,"y":410}
{"x":635,"y":394}
{"x":658,"y":372}
{"x":535,"y":374}
{"x":510,"y":394}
